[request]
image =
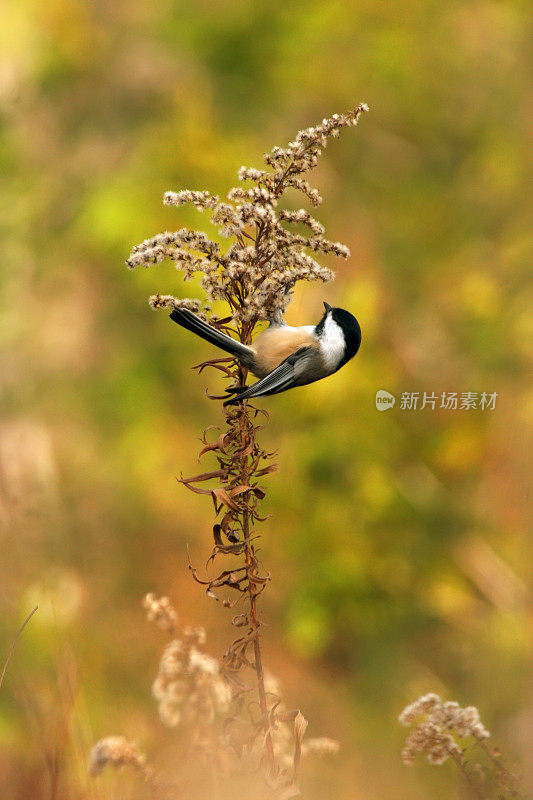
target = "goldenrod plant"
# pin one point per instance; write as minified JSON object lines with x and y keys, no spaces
{"x":233,"y":706}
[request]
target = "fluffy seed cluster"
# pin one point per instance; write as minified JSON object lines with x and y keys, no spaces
{"x":115,"y":751}
{"x":170,"y":302}
{"x":189,"y":686}
{"x":201,"y":200}
{"x":321,"y":746}
{"x":161,"y":611}
{"x":259,"y":269}
{"x":436,"y":726}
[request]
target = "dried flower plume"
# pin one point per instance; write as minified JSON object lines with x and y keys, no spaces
{"x":257,"y":272}
{"x":439,"y":722}
{"x":444,"y":730}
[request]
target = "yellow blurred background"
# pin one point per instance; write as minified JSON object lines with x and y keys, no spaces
{"x":398,"y":540}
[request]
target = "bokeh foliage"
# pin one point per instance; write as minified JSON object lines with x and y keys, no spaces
{"x":398,"y":539}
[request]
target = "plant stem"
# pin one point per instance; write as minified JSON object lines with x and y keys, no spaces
{"x":251,"y":563}
{"x":467,"y":776}
{"x":251,"y":571}
{"x":503,"y":772}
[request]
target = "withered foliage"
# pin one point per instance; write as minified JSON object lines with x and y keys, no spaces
{"x":242,"y":463}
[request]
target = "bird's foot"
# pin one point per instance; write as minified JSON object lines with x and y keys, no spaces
{"x":236,"y":389}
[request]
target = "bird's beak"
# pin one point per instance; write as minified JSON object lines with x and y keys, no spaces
{"x":327,"y":306}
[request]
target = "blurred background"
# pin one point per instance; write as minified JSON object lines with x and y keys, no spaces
{"x":398,"y":539}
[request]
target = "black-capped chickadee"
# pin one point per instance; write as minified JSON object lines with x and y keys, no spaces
{"x":282,"y":356}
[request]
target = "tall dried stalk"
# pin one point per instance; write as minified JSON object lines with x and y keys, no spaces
{"x":242,"y":462}
{"x":255,"y":277}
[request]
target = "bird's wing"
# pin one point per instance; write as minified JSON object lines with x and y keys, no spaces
{"x":281,"y":378}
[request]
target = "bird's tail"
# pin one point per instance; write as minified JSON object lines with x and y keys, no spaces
{"x":196,"y":325}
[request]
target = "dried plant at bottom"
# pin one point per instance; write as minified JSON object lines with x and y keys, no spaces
{"x":192,"y":691}
{"x":269,"y":250}
{"x":444,"y":730}
{"x":193,"y":694}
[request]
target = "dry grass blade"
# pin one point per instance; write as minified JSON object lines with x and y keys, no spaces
{"x":12,"y":650}
{"x":300,"y":727}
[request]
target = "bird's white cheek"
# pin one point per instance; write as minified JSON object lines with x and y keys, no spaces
{"x":332,"y":344}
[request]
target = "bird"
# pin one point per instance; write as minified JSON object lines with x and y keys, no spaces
{"x":283,"y":357}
